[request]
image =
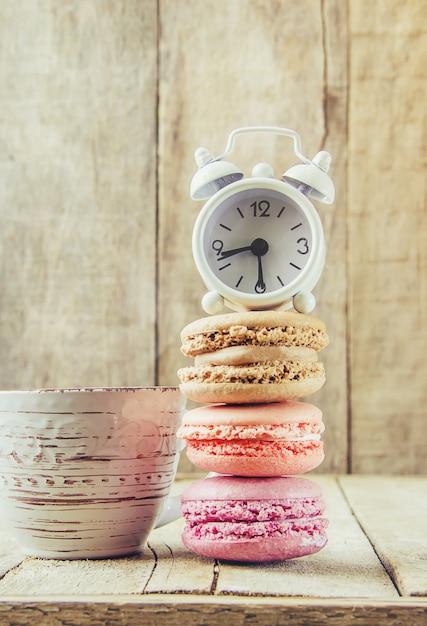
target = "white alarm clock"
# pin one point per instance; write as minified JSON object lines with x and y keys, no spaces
{"x":258,"y":242}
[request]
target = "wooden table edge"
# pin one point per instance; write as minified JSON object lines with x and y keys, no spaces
{"x":169,"y":609}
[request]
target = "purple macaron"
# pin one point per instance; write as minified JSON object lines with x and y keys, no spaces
{"x":254,"y":519}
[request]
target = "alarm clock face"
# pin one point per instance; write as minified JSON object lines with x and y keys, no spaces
{"x":258,"y":241}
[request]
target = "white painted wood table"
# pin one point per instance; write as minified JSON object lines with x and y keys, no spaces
{"x":373,"y":571}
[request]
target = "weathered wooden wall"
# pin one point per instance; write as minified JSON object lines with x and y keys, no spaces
{"x":102,"y":104}
{"x":387,"y":228}
{"x":78,"y":85}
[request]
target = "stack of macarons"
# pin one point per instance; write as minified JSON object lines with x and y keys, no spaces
{"x":249,"y":372}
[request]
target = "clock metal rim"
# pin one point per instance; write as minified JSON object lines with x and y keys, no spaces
{"x":309,"y":275}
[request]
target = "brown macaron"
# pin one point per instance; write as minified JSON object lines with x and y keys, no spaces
{"x":253,"y":357}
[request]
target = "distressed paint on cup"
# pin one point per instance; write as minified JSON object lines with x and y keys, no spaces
{"x":84,"y":472}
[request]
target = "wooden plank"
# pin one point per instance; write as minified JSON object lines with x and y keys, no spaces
{"x":388,"y":230}
{"x":214,"y":78}
{"x":331,"y":292}
{"x":78,"y":88}
{"x":35,"y":577}
{"x":393,"y":514}
{"x":346,"y":567}
{"x":164,"y":610}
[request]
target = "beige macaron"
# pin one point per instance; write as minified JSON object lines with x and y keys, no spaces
{"x":251,"y":357}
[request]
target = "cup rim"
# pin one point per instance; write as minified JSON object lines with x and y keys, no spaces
{"x":66,"y":390}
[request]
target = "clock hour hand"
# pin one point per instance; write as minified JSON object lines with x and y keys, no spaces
{"x":227,"y":253}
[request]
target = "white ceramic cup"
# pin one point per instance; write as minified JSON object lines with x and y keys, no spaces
{"x":84,"y":473}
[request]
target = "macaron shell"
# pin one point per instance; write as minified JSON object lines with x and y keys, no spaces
{"x":231,"y":488}
{"x":261,"y":550}
{"x":253,"y":319}
{"x":244,"y":393}
{"x":253,"y":327}
{"x":256,"y":458}
{"x":268,"y":413}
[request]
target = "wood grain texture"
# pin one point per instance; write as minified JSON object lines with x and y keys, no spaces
{"x":191,"y":611}
{"x":81,"y":577}
{"x":286,"y":67}
{"x":387,"y":230}
{"x":78,"y":195}
{"x":400,"y":538}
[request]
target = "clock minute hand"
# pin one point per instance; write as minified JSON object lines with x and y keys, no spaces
{"x":260,"y":284}
{"x":259,"y":248}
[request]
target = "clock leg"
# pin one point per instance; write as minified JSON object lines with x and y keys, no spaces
{"x":304,"y":302}
{"x":212,"y":303}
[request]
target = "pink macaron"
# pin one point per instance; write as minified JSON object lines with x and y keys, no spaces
{"x":275,"y":439}
{"x":254,"y":519}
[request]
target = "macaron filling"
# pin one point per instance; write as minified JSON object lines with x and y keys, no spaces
{"x":254,"y":448}
{"x":245,"y":355}
{"x":241,"y":531}
{"x":197,"y":512}
{"x":265,"y":432}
